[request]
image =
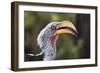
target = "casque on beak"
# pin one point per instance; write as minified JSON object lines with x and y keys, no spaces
{"x":66,"y":27}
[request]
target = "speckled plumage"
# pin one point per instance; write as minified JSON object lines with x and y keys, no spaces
{"x":45,"y":43}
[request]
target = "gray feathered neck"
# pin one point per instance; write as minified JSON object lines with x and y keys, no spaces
{"x":47,"y":42}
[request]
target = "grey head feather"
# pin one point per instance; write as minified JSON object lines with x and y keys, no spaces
{"x":45,"y":44}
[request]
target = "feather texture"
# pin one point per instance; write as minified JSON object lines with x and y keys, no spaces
{"x":44,"y":42}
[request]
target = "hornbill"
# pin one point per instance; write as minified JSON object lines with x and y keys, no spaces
{"x":48,"y":36}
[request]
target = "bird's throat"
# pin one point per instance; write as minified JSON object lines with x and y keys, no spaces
{"x":53,"y":39}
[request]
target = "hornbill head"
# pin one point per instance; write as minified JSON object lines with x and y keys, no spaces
{"x":48,"y":36}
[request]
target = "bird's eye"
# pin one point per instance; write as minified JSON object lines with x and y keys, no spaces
{"x":53,"y":27}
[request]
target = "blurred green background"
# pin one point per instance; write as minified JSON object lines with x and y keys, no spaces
{"x":68,"y":47}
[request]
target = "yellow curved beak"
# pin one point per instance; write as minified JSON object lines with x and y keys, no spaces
{"x":66,"y":27}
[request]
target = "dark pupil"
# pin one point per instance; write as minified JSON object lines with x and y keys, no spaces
{"x":53,"y":27}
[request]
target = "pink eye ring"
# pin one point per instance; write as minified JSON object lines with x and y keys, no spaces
{"x":53,"y":27}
